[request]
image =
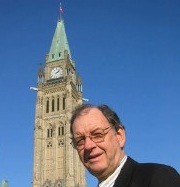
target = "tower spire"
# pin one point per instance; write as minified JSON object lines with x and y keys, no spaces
{"x":59,"y":43}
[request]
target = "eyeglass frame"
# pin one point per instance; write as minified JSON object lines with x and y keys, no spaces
{"x":73,"y":143}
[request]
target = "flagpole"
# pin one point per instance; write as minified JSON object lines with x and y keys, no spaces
{"x":61,"y":11}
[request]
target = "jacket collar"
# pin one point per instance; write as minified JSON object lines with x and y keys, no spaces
{"x":124,"y":178}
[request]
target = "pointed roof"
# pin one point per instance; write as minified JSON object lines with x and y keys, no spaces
{"x":40,"y":72}
{"x":4,"y":183}
{"x":59,"y":43}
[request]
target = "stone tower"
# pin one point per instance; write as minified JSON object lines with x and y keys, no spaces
{"x":59,"y":91}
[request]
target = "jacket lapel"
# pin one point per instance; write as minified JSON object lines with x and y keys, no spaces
{"x":124,"y":178}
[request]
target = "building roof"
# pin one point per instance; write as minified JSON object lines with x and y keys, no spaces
{"x":59,"y":43}
{"x":4,"y":183}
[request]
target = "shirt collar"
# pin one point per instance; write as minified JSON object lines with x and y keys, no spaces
{"x":109,"y":182}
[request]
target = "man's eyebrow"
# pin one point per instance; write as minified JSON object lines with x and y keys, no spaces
{"x":96,"y":129}
{"x":79,"y":135}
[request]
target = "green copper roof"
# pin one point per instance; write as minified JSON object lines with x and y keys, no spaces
{"x":59,"y":43}
{"x":4,"y":183}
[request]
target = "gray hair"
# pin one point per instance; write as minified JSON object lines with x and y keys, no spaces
{"x":108,"y":113}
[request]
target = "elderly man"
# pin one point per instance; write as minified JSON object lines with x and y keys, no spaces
{"x":99,"y":137}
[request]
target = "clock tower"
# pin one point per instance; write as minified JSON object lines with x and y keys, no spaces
{"x":59,"y":91}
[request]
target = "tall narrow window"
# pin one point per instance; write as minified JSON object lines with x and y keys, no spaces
{"x":49,"y":133}
{"x":47,"y":106}
{"x":53,"y":105}
{"x":64,"y":103}
{"x":58,"y":104}
{"x":60,"y":131}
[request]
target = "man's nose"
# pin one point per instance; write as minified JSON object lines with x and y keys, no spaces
{"x":89,"y":144}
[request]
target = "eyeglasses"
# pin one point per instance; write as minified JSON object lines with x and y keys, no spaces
{"x":96,"y":136}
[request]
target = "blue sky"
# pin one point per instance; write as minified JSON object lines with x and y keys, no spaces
{"x":128,"y":55}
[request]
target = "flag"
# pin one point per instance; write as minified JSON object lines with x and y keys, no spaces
{"x":61,"y":10}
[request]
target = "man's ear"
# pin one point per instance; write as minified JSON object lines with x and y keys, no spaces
{"x":121,"y":135}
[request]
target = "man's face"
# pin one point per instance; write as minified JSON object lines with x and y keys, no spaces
{"x":101,"y":159}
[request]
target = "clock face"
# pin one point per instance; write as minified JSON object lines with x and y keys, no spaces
{"x":56,"y":72}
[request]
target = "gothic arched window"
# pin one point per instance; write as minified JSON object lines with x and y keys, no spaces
{"x":49,"y":132}
{"x":61,"y":131}
{"x":47,"y":106}
{"x":58,"y":104}
{"x":64,"y":103}
{"x":52,"y":104}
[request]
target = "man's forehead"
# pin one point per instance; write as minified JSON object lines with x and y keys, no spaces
{"x":91,"y":111}
{"x":92,"y":117}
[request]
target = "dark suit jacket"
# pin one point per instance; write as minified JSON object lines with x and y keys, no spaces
{"x":134,"y":174}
